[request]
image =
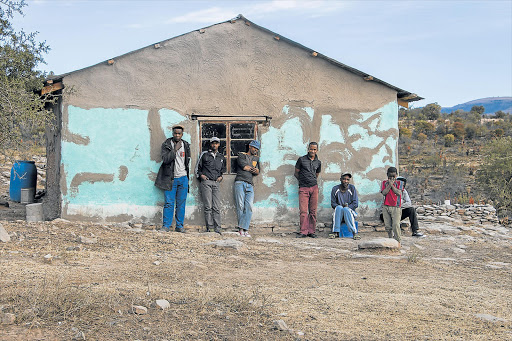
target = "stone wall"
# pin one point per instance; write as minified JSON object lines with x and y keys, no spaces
{"x":458,"y":213}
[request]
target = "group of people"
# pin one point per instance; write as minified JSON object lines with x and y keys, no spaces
{"x":173,"y":178}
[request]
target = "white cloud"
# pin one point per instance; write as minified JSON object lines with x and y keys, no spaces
{"x":315,"y":8}
{"x":210,"y":15}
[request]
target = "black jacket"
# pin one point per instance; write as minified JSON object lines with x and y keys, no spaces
{"x":212,"y":167}
{"x":166,"y":172}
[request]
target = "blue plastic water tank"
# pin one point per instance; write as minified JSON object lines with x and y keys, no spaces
{"x":23,"y":175}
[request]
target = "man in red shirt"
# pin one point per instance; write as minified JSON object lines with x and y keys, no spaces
{"x":391,"y":210}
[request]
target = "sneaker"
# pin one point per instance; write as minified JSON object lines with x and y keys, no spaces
{"x":179,"y":229}
{"x":164,"y":229}
{"x":312,"y":235}
{"x":246,"y":234}
{"x":217,"y":230}
{"x":356,"y":236}
{"x":300,"y":235}
{"x":241,"y":233}
{"x":418,"y":234}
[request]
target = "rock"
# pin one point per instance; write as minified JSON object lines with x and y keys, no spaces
{"x":386,"y":243}
{"x":139,"y":310}
{"x":280,"y":325}
{"x":4,"y":236}
{"x":60,"y":220}
{"x":48,"y":258}
{"x":200,"y":284}
{"x":74,"y":248}
{"x":163,"y":304}
{"x":86,"y":240}
{"x":157,"y":262}
{"x":79,"y":336}
{"x":227,"y":244}
{"x":7,"y":318}
{"x":269,"y":240}
{"x":490,"y":318}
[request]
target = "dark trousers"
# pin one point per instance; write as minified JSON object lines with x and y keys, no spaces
{"x":410,"y":212}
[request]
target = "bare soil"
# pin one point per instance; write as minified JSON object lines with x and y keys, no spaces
{"x":433,"y":288}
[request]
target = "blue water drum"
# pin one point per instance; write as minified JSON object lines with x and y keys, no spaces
{"x":23,"y":175}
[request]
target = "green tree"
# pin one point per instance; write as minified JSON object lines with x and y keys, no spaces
{"x":500,"y":114}
{"x":458,"y":129}
{"x":431,"y":111}
{"x":478,"y":109}
{"x":405,"y":132}
{"x":424,"y":127}
{"x":496,"y":173}
{"x":22,"y":109}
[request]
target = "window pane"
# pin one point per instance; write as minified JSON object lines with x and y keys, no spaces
{"x":205,"y":145}
{"x":234,"y":164}
{"x":242,"y":131}
{"x":239,"y":146}
{"x":213,"y":129}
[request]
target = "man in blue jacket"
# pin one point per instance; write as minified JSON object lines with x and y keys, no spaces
{"x":344,"y":200}
{"x":173,"y":178}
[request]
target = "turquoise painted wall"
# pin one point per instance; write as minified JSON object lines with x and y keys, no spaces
{"x":356,"y":142}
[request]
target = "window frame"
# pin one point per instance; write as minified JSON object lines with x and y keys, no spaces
{"x":228,"y":139}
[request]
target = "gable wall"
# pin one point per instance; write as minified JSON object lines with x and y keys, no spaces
{"x":117,"y":116}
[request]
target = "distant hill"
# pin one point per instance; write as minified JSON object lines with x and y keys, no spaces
{"x":491,"y":105}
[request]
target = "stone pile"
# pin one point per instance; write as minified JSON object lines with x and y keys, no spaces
{"x":467,"y":214}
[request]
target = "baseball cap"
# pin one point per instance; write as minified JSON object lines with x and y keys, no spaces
{"x":214,"y":139}
{"x":255,"y":144}
{"x":346,"y":173}
{"x":178,"y":126}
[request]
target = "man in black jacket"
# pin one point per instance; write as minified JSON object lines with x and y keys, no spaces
{"x":209,"y":169}
{"x":173,"y":178}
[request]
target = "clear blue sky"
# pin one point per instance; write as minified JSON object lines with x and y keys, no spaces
{"x":449,"y":52}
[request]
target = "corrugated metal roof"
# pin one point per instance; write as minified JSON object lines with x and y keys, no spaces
{"x":401,"y":94}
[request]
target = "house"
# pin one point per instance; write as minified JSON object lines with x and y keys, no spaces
{"x":234,"y":80}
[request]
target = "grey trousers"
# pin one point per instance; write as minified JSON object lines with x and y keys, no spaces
{"x":211,"y":200}
{"x":391,"y":217}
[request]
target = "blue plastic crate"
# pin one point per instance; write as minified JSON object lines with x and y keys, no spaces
{"x":345,"y":232}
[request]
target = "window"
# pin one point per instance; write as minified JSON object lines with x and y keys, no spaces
{"x":234,"y":138}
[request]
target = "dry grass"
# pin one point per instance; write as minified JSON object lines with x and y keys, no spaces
{"x":323,"y":288}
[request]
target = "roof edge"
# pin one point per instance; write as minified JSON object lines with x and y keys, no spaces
{"x":402,"y":94}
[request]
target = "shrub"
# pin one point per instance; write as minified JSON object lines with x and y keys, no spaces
{"x":448,"y":140}
{"x":421,"y":137}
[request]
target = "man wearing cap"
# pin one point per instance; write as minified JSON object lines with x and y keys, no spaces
{"x":248,"y":166}
{"x":409,"y":211}
{"x":209,"y":169}
{"x":173,"y":178}
{"x":344,"y":200}
{"x":307,"y":169}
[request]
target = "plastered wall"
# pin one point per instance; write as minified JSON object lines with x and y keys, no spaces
{"x":117,"y":116}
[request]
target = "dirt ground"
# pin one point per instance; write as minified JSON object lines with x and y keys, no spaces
{"x":455,"y":286}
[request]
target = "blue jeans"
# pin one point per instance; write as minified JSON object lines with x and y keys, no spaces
{"x":176,"y":196}
{"x":344,"y":214}
{"x":244,"y":198}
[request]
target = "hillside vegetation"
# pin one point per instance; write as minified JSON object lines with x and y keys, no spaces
{"x":444,"y":156}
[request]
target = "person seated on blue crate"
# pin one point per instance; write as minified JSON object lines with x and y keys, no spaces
{"x":344,"y":201}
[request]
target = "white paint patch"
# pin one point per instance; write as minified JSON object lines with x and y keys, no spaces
{"x":330,"y":132}
{"x":333,"y":168}
{"x":105,"y":212}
